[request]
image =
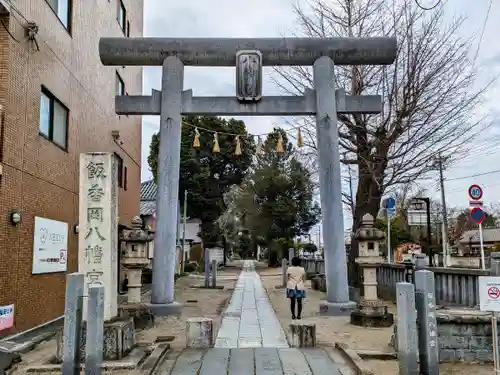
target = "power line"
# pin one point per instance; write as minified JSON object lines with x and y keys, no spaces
{"x":473,"y":175}
{"x":456,"y":190}
{"x":483,"y":28}
{"x":8,"y":32}
{"x":438,"y":2}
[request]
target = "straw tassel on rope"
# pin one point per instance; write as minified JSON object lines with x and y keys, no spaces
{"x":279,"y":145}
{"x":237,"y":150}
{"x":216,"y":147}
{"x":196,"y":141}
{"x":300,"y":142}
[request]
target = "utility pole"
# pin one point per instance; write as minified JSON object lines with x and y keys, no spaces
{"x":446,"y":248}
{"x":351,"y":192}
{"x":183,"y":252}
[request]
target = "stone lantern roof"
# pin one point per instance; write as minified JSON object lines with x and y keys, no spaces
{"x":367,"y":232}
{"x":136,"y":234}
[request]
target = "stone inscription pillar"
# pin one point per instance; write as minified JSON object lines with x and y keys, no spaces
{"x":428,"y":340}
{"x":407,"y":329}
{"x":167,"y":200}
{"x":98,"y":222}
{"x":337,"y":297}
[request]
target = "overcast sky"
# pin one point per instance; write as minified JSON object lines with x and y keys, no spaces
{"x":273,"y":18}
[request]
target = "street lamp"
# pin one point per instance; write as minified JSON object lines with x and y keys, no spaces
{"x":418,"y":204}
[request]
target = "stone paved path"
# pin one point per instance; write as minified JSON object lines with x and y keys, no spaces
{"x":249,"y":320}
{"x":255,"y":361}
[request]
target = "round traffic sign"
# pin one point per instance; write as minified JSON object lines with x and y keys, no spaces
{"x":475,"y":192}
{"x":477,"y":215}
{"x":493,"y":292}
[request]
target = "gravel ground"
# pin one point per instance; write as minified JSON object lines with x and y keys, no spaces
{"x":209,"y":303}
{"x":332,"y":329}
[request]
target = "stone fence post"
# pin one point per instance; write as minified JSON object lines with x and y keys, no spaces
{"x":95,"y":331}
{"x":284,"y":266}
{"x":428,"y":341}
{"x":420,"y":262}
{"x":206,"y":261}
{"x":72,"y":323}
{"x":407,"y":338}
{"x":214,"y":273}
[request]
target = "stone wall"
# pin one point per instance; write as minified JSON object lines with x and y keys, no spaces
{"x":464,"y":336}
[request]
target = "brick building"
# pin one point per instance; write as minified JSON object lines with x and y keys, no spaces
{"x":58,"y":101}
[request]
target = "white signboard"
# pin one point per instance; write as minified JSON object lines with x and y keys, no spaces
{"x":217,"y":254}
{"x":417,"y":218}
{"x":50,"y":246}
{"x":489,"y":293}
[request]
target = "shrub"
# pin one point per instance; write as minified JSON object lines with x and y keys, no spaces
{"x":196,"y":253}
{"x":190,"y":267}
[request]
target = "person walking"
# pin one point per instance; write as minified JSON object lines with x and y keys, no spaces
{"x":295,"y":288}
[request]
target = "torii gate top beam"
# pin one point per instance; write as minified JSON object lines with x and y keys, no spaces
{"x":222,"y":51}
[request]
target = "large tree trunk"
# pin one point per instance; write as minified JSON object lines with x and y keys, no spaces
{"x":368,"y":197}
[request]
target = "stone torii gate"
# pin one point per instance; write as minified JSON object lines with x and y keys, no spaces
{"x":248,"y":56}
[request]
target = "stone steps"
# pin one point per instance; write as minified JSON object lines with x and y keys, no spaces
{"x":255,"y":361}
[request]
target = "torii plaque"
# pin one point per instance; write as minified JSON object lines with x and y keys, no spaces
{"x":249,"y":75}
{"x":249,"y":55}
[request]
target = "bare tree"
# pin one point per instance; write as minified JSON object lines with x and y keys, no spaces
{"x":428,"y":93}
{"x":228,"y":221}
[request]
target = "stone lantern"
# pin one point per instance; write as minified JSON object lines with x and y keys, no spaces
{"x":134,"y":260}
{"x":370,"y":312}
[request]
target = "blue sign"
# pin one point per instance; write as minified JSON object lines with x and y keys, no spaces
{"x":390,"y":204}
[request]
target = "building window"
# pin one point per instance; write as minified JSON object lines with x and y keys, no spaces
{"x":62,"y":8}
{"x":125,"y":178}
{"x":122,"y":16}
{"x":120,"y":85}
{"x":119,"y":162}
{"x":53,"y":119}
